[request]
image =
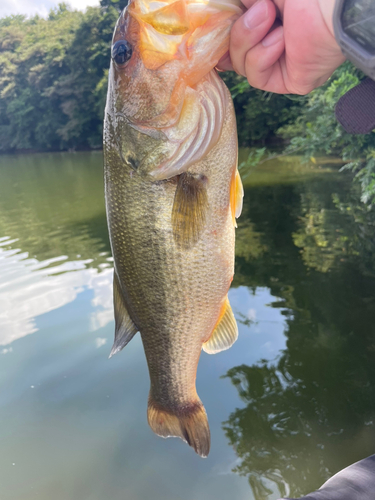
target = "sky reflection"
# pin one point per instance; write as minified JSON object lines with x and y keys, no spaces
{"x":30,"y":288}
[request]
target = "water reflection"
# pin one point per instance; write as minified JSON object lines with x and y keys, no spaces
{"x":30,"y":288}
{"x":52,"y":204}
{"x":312,"y":412}
{"x":293,"y":398}
{"x":47,"y":232}
{"x":64,"y":407}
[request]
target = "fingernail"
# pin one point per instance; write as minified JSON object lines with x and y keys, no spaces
{"x":256,"y":15}
{"x":274,"y":37}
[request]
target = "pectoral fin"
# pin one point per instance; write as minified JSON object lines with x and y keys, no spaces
{"x":225,"y":333}
{"x":189,"y":209}
{"x":236,"y":197}
{"x":125,"y":329}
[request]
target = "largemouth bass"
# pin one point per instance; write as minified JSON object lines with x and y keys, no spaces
{"x":173,"y":193}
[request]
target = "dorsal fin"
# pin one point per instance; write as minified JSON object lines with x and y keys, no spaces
{"x":125,"y":329}
{"x":189,"y":209}
{"x":225,"y":333}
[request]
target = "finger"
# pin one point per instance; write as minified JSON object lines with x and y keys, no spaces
{"x":278,"y":3}
{"x":264,"y":63}
{"x":225,"y":63}
{"x":249,"y":30}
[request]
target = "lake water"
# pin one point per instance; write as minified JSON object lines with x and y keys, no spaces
{"x":292,"y":402}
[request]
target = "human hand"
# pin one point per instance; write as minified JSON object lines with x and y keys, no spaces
{"x":284,"y":46}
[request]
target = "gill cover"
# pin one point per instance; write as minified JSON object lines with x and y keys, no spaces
{"x":196,"y":132}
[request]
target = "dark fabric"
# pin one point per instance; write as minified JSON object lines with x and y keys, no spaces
{"x":356,"y":482}
{"x":356,"y":109}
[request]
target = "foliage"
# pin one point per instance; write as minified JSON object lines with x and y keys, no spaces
{"x":260,"y":114}
{"x":316,"y":131}
{"x":53,"y":74}
{"x":119,"y":5}
{"x":312,"y":129}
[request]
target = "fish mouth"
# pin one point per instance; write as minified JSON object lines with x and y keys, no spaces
{"x":162,"y":31}
{"x":165,"y":28}
{"x":172,"y":19}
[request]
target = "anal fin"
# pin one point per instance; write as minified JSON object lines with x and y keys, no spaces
{"x":189,"y":209}
{"x":225,"y":333}
{"x":125,"y":329}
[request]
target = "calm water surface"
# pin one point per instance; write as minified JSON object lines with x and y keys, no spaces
{"x":291,"y":403}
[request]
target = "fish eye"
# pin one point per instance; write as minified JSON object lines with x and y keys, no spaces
{"x":121,"y":52}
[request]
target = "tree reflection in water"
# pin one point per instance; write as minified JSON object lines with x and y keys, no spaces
{"x":312,"y":412}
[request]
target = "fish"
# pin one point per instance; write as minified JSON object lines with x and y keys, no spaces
{"x":173,"y":193}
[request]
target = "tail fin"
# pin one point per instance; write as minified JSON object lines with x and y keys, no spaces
{"x":188,"y":423}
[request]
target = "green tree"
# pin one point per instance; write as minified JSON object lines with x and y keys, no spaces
{"x":53,"y":75}
{"x":31,"y":58}
{"x":119,"y":5}
{"x":259,"y":114}
{"x":316,"y":131}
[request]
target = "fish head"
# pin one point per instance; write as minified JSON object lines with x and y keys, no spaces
{"x":159,"y":48}
{"x":138,"y":91}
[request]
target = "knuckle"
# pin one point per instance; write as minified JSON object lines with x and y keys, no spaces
{"x":257,"y":75}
